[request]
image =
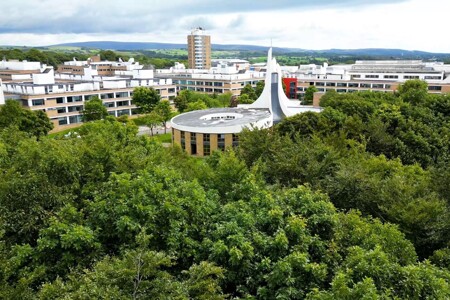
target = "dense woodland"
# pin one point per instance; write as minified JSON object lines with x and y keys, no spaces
{"x":54,"y":58}
{"x":351,"y":203}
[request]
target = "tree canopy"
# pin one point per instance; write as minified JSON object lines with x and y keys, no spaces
{"x":35,"y":123}
{"x":94,"y":110}
{"x":318,"y":207}
{"x":145,"y":98}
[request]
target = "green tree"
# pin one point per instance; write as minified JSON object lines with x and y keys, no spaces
{"x":414,"y":91}
{"x":153,"y":120}
{"x":198,"y":105}
{"x":224,"y":99}
{"x":245,"y":99}
{"x":94,"y":110}
{"x":250,"y":91}
{"x":182,"y":100}
{"x":259,"y":88}
{"x":35,"y":123}
{"x":145,"y":99}
{"x":164,"y":110}
{"x":309,"y":94}
{"x":108,"y":55}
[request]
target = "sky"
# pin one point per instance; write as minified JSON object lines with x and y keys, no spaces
{"x":307,"y":24}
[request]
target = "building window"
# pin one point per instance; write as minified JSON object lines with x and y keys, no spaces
{"x":193,"y":139}
{"x":377,"y":86}
{"x":221,"y":138}
{"x":206,"y":137}
{"x":74,"y":99}
{"x":108,"y":104}
{"x":372,"y":76}
{"x":37,"y":102}
{"x":235,"y":138}
{"x":221,"y":147}
{"x":75,"y":119}
{"x":89,"y":97}
{"x":61,"y":110}
{"x":410,"y":77}
{"x":434,"y":88}
{"x":433,"y":77}
{"x":121,"y":94}
{"x":122,"y":103}
{"x":60,"y":100}
{"x":75,"y":108}
{"x":365,"y":85}
{"x":123,"y":112}
{"x":352,"y":84}
{"x":390,"y":76}
{"x":206,"y":150}
{"x":62,"y":121}
{"x":107,"y":96}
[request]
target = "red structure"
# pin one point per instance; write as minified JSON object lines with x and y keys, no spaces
{"x":290,"y":87}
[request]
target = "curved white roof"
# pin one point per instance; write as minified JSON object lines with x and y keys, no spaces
{"x":222,"y":120}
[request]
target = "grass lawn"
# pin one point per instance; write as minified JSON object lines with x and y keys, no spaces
{"x":61,"y":133}
{"x":163,"y":138}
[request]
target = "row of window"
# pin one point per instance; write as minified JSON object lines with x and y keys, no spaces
{"x":78,"y":118}
{"x":396,"y":76}
{"x":206,"y":142}
{"x":205,"y":83}
{"x":349,"y":84}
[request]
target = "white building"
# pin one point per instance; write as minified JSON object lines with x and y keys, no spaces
{"x":2,"y":96}
{"x":203,"y":131}
{"x":62,"y":95}
{"x":381,"y":75}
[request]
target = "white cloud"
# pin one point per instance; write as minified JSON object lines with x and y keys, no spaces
{"x":411,"y":25}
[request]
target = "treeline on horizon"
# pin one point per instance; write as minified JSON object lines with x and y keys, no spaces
{"x":161,"y":59}
{"x":55,"y":58}
{"x":351,"y":203}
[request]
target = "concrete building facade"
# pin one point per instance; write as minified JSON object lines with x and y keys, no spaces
{"x":199,"y":49}
{"x":62,"y":95}
{"x":382,"y":76}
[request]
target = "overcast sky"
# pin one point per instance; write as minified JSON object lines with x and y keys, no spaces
{"x":307,"y":24}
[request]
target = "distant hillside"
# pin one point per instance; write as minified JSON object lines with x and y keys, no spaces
{"x":375,"y":52}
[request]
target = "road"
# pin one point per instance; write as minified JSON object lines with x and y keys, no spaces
{"x":144,"y":130}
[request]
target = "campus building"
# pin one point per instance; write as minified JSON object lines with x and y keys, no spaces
{"x":203,"y":131}
{"x":2,"y":97}
{"x":62,"y":95}
{"x":199,"y":49}
{"x":94,"y":66}
{"x":228,"y":76}
{"x":382,"y":76}
{"x":15,"y":70}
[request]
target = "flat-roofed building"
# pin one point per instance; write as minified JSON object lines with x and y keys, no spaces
{"x":96,"y":67}
{"x":2,"y":96}
{"x":15,"y":70}
{"x":199,"y":49}
{"x":223,"y":78}
{"x":382,"y":76}
{"x":63,"y":96}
